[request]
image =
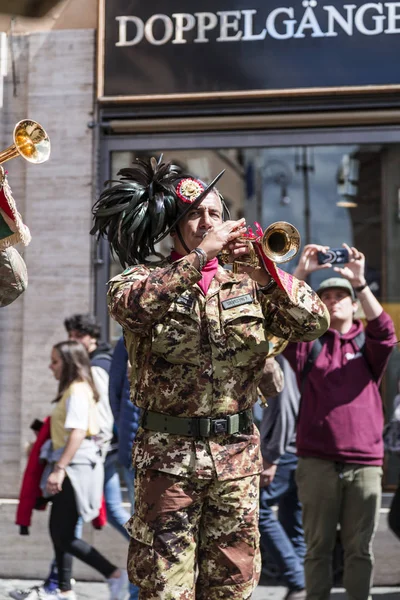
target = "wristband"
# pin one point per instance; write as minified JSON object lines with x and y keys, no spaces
{"x":58,"y":467}
{"x":360,"y":288}
{"x":267,"y":287}
{"x":202,"y":256}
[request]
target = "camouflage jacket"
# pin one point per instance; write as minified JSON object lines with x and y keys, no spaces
{"x":13,"y":276}
{"x":194,"y":355}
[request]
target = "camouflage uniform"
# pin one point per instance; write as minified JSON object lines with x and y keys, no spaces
{"x":195,"y":530}
{"x":13,"y":276}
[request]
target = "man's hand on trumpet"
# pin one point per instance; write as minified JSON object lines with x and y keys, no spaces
{"x":221,"y":237}
{"x":227,"y":238}
{"x":240,"y":248}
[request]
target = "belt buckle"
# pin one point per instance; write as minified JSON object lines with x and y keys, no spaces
{"x":220,"y":426}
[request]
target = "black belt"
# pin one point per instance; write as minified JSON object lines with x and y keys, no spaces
{"x":198,"y":426}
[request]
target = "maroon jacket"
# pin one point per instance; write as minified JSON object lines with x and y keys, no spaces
{"x":30,"y":488}
{"x":341,"y":415}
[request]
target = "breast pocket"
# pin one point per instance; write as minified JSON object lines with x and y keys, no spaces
{"x":246,"y":337}
{"x":177,"y":338}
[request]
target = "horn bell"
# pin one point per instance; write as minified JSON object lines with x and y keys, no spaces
{"x":281,"y":241}
{"x":30,"y":141}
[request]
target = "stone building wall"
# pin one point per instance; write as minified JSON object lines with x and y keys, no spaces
{"x":53,"y":83}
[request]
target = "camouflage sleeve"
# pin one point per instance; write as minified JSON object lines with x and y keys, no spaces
{"x":298,"y":317}
{"x":272,"y":380}
{"x":140,"y":296}
{"x":13,"y":276}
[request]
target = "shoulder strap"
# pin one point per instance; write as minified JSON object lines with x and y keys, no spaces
{"x":311,"y":358}
{"x":359,"y":341}
{"x":102,"y":356}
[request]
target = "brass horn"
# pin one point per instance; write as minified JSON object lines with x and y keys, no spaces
{"x":280,"y":243}
{"x":30,"y":141}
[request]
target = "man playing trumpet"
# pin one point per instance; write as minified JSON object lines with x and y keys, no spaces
{"x":198,"y":337}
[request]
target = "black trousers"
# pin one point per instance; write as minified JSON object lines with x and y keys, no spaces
{"x":394,"y":514}
{"x":63,"y":519}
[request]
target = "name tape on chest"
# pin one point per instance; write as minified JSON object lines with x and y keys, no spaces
{"x":238,"y":301}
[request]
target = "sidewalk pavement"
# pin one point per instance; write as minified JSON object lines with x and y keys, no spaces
{"x":99,"y":591}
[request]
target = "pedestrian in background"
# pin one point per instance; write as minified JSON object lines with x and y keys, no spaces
{"x":340,"y":424}
{"x":126,"y":419}
{"x":282,"y":536}
{"x":126,"y":414}
{"x":85,"y":329}
{"x":74,"y":476}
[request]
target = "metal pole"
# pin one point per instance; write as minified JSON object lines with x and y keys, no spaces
{"x":305,"y":166}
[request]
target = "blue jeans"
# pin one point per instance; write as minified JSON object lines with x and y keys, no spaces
{"x":117,"y":516}
{"x":129,"y":478}
{"x":283,"y":537}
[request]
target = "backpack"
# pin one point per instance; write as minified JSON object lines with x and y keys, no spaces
{"x":102,"y":357}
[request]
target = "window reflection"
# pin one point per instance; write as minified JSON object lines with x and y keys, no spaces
{"x":331,"y":194}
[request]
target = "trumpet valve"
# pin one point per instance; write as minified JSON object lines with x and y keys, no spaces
{"x":247,"y":260}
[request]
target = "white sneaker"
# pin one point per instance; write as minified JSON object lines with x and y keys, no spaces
{"x":70,"y":596}
{"x":118,"y":586}
{"x":34,"y":593}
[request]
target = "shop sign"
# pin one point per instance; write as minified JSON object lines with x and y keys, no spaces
{"x":161,"y":50}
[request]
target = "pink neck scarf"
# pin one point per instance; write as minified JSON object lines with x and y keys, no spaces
{"x":208,"y":271}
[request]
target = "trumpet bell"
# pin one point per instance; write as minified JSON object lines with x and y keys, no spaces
{"x":281,"y":241}
{"x":30,"y":141}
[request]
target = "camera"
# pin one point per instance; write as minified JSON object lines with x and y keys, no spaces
{"x":338,"y":256}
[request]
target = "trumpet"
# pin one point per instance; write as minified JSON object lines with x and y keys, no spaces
{"x":280,"y":243}
{"x":30,"y":141}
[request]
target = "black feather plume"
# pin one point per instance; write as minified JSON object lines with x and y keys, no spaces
{"x":134,"y":212}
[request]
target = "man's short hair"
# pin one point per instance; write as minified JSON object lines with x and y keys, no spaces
{"x":83,"y":324}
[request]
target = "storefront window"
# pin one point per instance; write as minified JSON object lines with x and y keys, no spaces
{"x":332,"y":194}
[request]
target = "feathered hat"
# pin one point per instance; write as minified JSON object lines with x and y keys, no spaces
{"x":12,"y":229}
{"x":144,"y":205}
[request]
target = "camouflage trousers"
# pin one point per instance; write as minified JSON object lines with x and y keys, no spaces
{"x":194,"y":539}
